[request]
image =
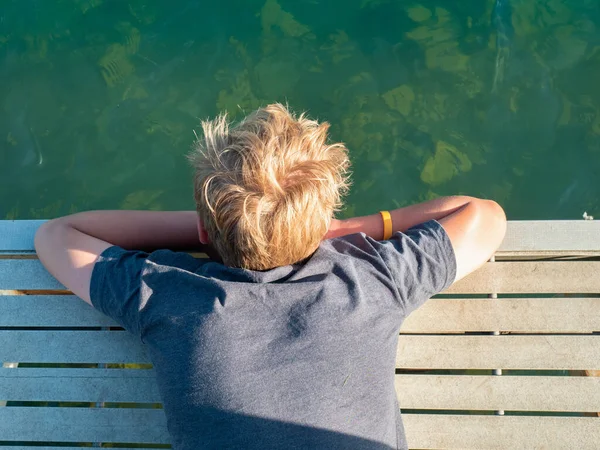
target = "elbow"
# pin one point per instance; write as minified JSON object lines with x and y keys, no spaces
{"x":495,"y":211}
{"x":41,"y":235}
{"x":499,"y":216}
{"x":494,"y":219}
{"x":46,"y":233}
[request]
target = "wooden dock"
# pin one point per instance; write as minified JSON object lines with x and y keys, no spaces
{"x":504,"y":359}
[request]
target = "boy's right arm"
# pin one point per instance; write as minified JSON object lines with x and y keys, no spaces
{"x":475,"y":227}
{"x":70,"y":246}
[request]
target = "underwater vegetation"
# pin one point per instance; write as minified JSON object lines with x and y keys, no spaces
{"x":493,"y":98}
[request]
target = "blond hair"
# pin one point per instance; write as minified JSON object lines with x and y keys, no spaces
{"x":267,"y":188}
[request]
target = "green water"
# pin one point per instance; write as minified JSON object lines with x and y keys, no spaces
{"x":499,"y":99}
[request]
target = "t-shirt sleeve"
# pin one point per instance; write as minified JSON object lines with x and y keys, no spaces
{"x":421,"y":262}
{"x":115,"y":286}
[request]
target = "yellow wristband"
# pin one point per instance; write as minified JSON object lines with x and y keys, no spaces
{"x":387,"y":224}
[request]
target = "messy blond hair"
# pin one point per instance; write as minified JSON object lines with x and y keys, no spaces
{"x":266,"y":189}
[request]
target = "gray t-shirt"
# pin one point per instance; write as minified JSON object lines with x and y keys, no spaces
{"x":300,"y":356}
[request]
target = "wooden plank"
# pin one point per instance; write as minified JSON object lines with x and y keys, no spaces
{"x":531,"y":277}
{"x":17,"y":235}
{"x":79,"y":385}
{"x":552,"y":236}
{"x":414,"y":351}
{"x":16,"y":274}
{"x":501,"y":432}
{"x":501,"y":277}
{"x":37,"y":447}
{"x":50,"y":311}
{"x":127,"y":425}
{"x":558,"y":315}
{"x":422,"y":430}
{"x":529,"y":315}
{"x":508,"y":393}
{"x":71,"y":347}
{"x":499,"y":352}
{"x":546,"y":315}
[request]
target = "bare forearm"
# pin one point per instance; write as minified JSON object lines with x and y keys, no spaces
{"x":402,"y":218}
{"x":141,"y":230}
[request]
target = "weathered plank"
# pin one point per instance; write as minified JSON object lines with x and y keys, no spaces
{"x":79,"y":385}
{"x":531,"y":277}
{"x":551,"y":236}
{"x":528,"y":315}
{"x":543,"y":315}
{"x":501,"y":432}
{"x":17,"y":274}
{"x":127,"y":425}
{"x":579,"y":352}
{"x":50,"y":311}
{"x":17,"y":235}
{"x":499,"y":352}
{"x":500,"y":277}
{"x":509,"y":393}
{"x":513,"y":393}
{"x":71,"y":347}
{"x":423,"y":430}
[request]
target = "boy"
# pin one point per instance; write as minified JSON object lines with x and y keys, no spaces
{"x":286,"y":337}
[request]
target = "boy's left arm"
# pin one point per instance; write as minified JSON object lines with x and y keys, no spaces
{"x":69,"y":246}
